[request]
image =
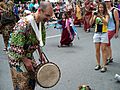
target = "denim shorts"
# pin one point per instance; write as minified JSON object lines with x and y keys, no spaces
{"x":100,"y":37}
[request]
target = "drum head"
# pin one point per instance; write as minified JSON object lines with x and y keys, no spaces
{"x":48,"y":75}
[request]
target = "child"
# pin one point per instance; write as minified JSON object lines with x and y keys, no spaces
{"x":68,"y":33}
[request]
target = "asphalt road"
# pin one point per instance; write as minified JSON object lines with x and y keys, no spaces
{"x":5,"y":76}
{"x":77,"y":63}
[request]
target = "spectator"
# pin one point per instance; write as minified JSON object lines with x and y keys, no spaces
{"x":113,"y":27}
{"x":100,"y":37}
{"x":88,"y":5}
{"x":7,"y":27}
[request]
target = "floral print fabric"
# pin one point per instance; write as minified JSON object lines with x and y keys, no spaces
{"x":23,"y":43}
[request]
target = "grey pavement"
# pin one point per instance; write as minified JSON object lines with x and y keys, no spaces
{"x":77,"y":63}
{"x":5,"y":76}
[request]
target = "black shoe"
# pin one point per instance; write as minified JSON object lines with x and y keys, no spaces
{"x":97,"y":67}
{"x":88,"y":30}
{"x":103,"y":69}
{"x":59,"y":46}
{"x":62,"y":46}
{"x":71,"y":44}
{"x":110,"y":60}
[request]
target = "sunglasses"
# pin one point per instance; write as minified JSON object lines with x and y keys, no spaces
{"x":47,"y":15}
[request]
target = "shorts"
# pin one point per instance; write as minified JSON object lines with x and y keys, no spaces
{"x":100,"y":38}
{"x":110,"y":35}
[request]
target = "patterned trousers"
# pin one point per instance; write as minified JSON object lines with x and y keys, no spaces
{"x":22,"y":80}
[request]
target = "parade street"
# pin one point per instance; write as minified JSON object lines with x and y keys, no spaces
{"x":76,"y":63}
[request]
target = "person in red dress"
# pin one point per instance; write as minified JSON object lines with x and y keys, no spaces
{"x":89,"y":7}
{"x":67,"y":35}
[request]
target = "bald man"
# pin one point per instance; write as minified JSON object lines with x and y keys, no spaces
{"x":25,"y":39}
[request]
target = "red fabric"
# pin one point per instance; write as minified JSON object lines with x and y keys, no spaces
{"x":110,"y":35}
{"x":89,"y":7}
{"x":86,"y":20}
{"x":65,"y":36}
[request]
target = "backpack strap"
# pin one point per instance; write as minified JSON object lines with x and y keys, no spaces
{"x":113,"y":16}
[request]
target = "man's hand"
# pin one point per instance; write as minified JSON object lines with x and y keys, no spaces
{"x":28,"y":64}
{"x":116,"y":35}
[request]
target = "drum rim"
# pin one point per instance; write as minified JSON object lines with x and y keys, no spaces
{"x":40,"y":65}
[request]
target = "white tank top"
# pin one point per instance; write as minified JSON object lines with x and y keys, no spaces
{"x":111,"y":24}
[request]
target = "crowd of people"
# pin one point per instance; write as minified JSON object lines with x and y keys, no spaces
{"x":26,"y":32}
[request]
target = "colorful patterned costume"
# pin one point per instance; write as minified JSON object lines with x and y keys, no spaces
{"x":23,"y":43}
{"x":78,"y":15}
{"x":88,"y":13}
{"x":67,"y":32}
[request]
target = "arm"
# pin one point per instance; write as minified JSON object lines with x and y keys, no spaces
{"x":117,"y":22}
{"x":104,"y":19}
{"x":92,"y":20}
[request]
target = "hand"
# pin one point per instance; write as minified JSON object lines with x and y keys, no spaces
{"x":100,"y":16}
{"x":116,"y":35}
{"x":28,"y":64}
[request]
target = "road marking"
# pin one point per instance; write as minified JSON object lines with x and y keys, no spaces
{"x":53,"y":36}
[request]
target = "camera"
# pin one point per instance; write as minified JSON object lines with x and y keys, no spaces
{"x":95,"y":13}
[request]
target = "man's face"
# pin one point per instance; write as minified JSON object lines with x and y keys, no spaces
{"x":108,"y":3}
{"x":46,"y":14}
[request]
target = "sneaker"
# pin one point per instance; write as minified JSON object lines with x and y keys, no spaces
{"x":110,"y":60}
{"x":103,"y":69}
{"x":117,"y":77}
{"x":97,"y":67}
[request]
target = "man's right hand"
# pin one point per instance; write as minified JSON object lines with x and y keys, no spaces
{"x":28,"y":64}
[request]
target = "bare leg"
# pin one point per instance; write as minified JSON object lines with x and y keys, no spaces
{"x":109,"y":51}
{"x":97,"y":47}
{"x":104,"y":53}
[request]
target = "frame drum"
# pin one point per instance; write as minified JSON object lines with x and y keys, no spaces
{"x":47,"y":74}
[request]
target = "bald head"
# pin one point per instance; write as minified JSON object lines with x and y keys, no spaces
{"x":45,"y":5}
{"x":45,"y":11}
